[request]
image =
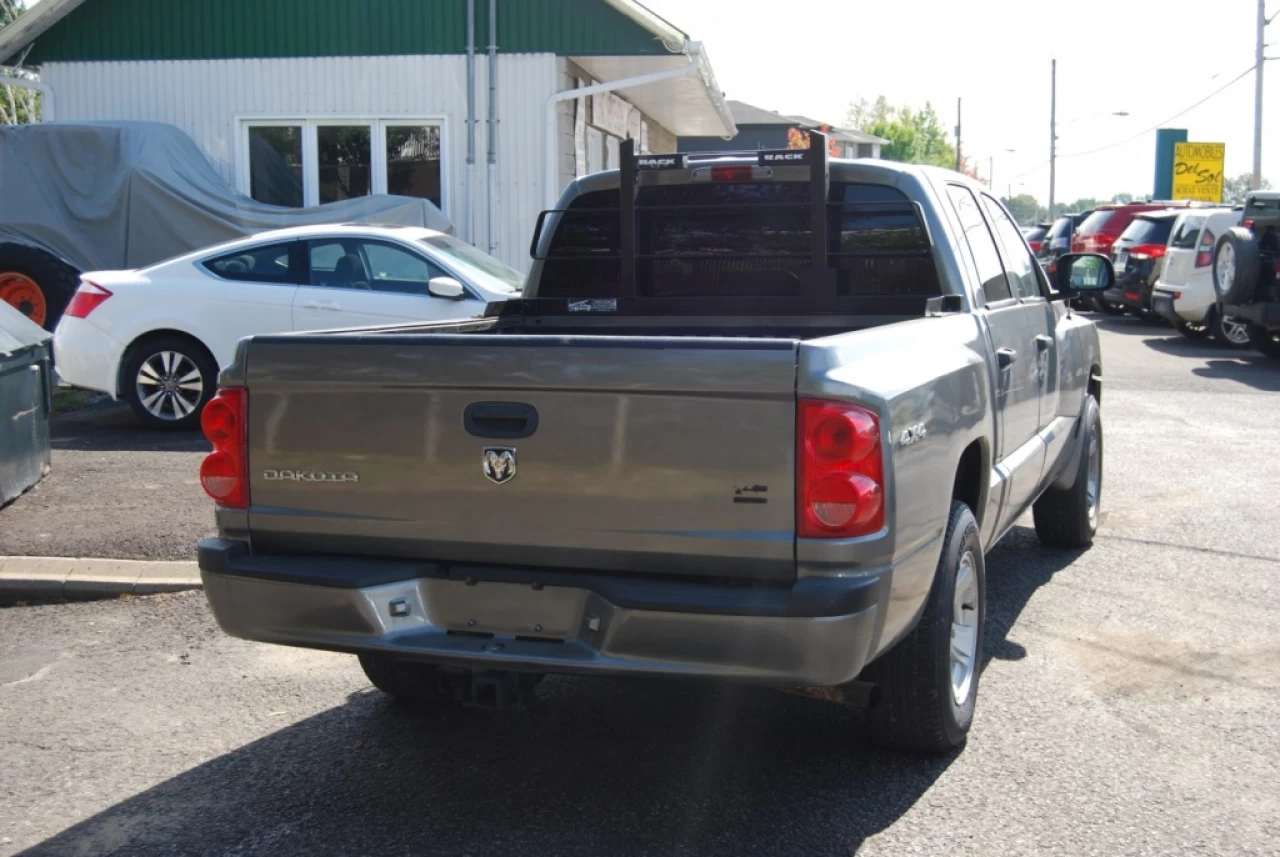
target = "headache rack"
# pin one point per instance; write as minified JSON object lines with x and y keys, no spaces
{"x":818,"y":291}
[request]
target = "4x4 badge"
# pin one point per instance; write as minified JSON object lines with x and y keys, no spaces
{"x":499,"y":463}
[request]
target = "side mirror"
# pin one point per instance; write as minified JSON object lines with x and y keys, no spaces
{"x":447,"y":288}
{"x":1082,"y":272}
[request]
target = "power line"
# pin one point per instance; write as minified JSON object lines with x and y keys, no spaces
{"x":1162,"y":122}
{"x":1143,"y":133}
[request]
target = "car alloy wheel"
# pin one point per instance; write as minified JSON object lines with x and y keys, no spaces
{"x":1235,"y":330}
{"x":169,"y":385}
{"x":964,"y":630}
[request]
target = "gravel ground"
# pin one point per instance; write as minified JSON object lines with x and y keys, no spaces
{"x":1128,"y":706}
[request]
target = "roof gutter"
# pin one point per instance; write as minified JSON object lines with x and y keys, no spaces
{"x":671,"y":38}
{"x":47,"y":113}
{"x":697,"y":64}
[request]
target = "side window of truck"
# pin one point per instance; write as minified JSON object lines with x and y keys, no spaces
{"x":1018,"y":261}
{"x":982,"y":246}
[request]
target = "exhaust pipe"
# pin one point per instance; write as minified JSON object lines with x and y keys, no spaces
{"x":855,"y":694}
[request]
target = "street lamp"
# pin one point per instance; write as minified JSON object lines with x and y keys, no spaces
{"x":991,"y":170}
{"x":1053,"y":129}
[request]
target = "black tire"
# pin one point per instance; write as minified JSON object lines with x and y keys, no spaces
{"x":1265,"y":341}
{"x":56,"y":281}
{"x":1228,"y":331}
{"x":404,"y":680}
{"x":1191,"y":330}
{"x":1238,"y":288}
{"x":917,"y":708}
{"x":1067,"y":517}
{"x":173,"y":406}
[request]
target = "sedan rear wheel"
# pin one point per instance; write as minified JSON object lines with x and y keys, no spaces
{"x":168,"y":381}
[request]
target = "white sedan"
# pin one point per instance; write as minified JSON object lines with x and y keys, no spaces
{"x":156,"y":336}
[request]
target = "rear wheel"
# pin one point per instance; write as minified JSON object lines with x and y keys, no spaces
{"x":1229,"y":331}
{"x":929,"y":680}
{"x":167,"y":381}
{"x":1265,"y":341}
{"x":1068,"y":518}
{"x":35,"y":283}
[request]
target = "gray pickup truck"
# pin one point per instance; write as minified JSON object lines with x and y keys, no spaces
{"x":756,"y":418}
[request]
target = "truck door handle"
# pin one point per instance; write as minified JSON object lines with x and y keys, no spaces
{"x":500,"y":419}
{"x":1005,"y":357}
{"x":321,"y":305}
{"x":1043,"y":342}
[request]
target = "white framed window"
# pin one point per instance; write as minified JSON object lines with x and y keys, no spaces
{"x":307,"y":161}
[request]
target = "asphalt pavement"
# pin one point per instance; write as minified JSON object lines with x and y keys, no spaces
{"x":116,"y":490}
{"x":1127,"y":706}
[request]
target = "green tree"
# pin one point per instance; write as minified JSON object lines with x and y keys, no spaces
{"x":18,"y":105}
{"x":1234,"y":190}
{"x":1024,"y":207}
{"x":915,"y":136}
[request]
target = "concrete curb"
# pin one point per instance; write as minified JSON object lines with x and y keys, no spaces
{"x":37,"y":578}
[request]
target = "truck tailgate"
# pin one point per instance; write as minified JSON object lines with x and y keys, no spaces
{"x":622,"y":454}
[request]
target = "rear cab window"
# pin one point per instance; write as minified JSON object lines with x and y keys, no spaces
{"x":740,"y":240}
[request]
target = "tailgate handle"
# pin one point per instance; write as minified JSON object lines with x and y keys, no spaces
{"x":500,"y":419}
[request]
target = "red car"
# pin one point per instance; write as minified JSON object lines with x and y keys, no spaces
{"x":1101,"y":229}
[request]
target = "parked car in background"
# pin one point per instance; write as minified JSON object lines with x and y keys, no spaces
{"x":1057,"y":240}
{"x":1035,"y":235}
{"x":1246,"y":271}
{"x":114,"y":195}
{"x":1184,"y":294}
{"x":1139,"y":256}
{"x":156,"y":336}
{"x":1100,"y":230}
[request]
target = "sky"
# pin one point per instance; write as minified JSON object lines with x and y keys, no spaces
{"x":1149,"y":59}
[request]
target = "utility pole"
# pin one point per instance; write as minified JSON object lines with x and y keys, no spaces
{"x":1256,"y":182}
{"x":1053,"y":131}
{"x":959,"y":159}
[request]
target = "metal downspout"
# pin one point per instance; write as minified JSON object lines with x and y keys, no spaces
{"x":493,"y":123}
{"x":468,"y":201}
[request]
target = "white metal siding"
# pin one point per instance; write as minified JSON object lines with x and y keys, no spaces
{"x":209,"y":98}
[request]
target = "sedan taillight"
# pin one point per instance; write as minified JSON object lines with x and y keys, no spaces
{"x":839,"y":471}
{"x":224,"y":473}
{"x":87,"y":298}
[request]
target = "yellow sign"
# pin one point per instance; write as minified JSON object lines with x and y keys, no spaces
{"x":1197,"y":171}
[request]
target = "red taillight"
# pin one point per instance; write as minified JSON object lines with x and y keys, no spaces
{"x":1133,"y":296}
{"x":1248,"y":224}
{"x":1204,"y":256}
{"x":1142,"y":252}
{"x":87,"y":298}
{"x":839,"y":471}
{"x":224,"y":474}
{"x":732,"y":174}
{"x":1035,"y":246}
